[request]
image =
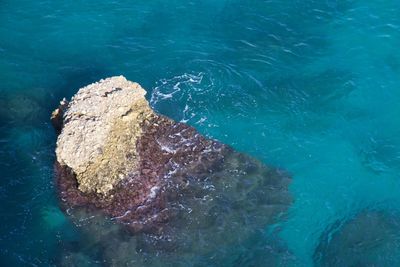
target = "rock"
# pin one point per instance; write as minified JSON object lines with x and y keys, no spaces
{"x":370,"y":238}
{"x":116,"y":156}
{"x":22,"y":107}
{"x":58,"y":114}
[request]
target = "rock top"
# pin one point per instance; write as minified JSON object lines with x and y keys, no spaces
{"x":101,"y":127}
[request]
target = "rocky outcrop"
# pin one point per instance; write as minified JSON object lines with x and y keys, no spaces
{"x":139,"y":168}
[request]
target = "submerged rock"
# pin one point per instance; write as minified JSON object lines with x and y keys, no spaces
{"x":158,"y":177}
{"x":371,"y":238}
{"x":57,"y":115}
{"x":22,"y":107}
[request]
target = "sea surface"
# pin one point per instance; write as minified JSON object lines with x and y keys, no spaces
{"x":312,"y":87}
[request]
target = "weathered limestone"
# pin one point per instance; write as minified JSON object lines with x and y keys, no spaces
{"x":117,"y":156}
{"x":102,"y":125}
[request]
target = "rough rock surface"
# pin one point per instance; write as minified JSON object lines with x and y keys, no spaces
{"x":102,"y":125}
{"x":117,"y":156}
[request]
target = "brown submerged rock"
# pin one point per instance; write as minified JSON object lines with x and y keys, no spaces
{"x":116,"y":156}
{"x":368,"y":238}
{"x":58,"y":114}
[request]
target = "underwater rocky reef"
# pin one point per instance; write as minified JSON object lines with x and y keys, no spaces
{"x":143,"y":187}
{"x":369,"y":238}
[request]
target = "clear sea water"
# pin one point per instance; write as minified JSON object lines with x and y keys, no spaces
{"x":312,"y":87}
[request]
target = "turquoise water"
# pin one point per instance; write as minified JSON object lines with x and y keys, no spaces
{"x":309,"y":86}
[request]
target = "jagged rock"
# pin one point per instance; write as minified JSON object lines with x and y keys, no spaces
{"x":58,"y":114}
{"x":117,"y":156}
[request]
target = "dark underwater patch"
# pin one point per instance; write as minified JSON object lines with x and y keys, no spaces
{"x":370,"y":238}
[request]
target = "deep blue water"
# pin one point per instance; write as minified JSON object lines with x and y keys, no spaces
{"x":312,"y":87}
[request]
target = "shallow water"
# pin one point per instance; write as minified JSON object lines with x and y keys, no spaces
{"x":308,"y":86}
